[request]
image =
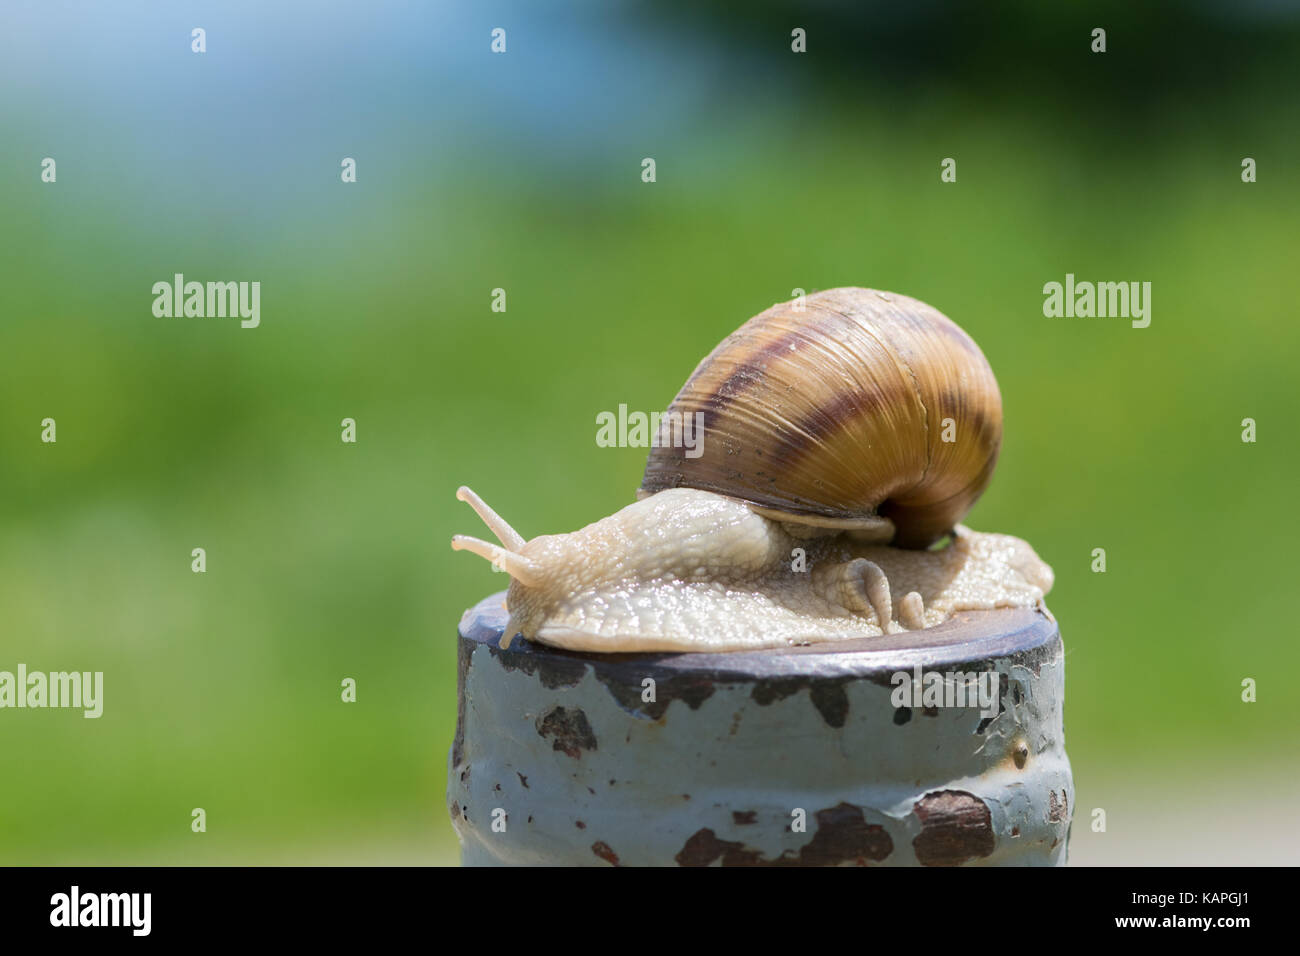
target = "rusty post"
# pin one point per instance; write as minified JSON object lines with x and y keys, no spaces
{"x":797,"y":756}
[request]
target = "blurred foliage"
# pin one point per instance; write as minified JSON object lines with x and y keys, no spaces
{"x":328,"y":560}
{"x":1159,"y":54}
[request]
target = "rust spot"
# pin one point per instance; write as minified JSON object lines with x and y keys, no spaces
{"x":1015,"y":831}
{"x":602,"y":850}
{"x":580,"y":825}
{"x":828,"y":696}
{"x":694,"y":692}
{"x":570,"y":729}
{"x":769,"y":691}
{"x":1020,"y":754}
{"x":956,"y":827}
{"x":626,"y":690}
{"x":843,"y":836}
{"x":1056,"y":812}
{"x":552,"y":670}
{"x":743,"y":817}
{"x":831,"y":702}
{"x":703,"y":847}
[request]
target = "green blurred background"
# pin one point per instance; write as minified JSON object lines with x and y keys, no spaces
{"x":522,"y":171}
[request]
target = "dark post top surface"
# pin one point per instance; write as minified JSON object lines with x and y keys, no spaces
{"x":968,"y":638}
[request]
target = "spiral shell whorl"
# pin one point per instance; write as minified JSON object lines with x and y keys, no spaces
{"x":837,"y":412}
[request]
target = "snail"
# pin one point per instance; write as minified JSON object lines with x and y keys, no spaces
{"x":844,"y":436}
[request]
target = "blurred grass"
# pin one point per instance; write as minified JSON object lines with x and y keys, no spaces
{"x":328,"y":560}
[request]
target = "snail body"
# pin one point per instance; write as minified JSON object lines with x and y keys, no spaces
{"x":841,"y":437}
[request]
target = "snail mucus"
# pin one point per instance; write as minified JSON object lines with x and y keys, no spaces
{"x":845,"y":436}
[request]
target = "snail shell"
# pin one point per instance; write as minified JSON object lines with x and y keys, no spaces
{"x":864,"y":405}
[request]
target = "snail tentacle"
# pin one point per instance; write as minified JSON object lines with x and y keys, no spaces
{"x":516,"y":565}
{"x":498,"y":525}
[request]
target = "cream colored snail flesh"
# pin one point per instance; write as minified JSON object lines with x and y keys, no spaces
{"x":843,"y":438}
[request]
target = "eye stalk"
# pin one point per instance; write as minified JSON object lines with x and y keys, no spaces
{"x":504,"y":556}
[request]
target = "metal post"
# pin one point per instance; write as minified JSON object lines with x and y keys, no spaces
{"x":797,"y":756}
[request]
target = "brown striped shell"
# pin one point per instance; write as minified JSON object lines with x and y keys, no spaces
{"x":836,"y":415}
